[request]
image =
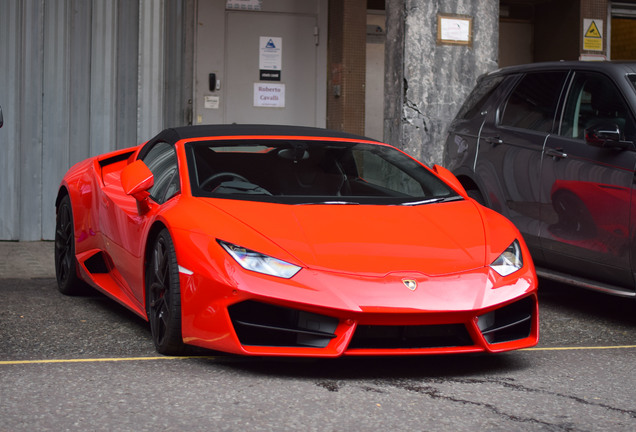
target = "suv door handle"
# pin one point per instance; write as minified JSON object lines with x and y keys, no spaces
{"x":556,"y":153}
{"x":495,"y":140}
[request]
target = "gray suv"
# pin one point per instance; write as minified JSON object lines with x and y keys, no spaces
{"x":551,"y":146}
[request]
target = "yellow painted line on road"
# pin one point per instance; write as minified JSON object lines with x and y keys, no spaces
{"x":121,"y":359}
{"x":98,"y":360}
{"x":579,"y":348}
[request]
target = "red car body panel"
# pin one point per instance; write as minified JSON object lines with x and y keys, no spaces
{"x":354,"y":260}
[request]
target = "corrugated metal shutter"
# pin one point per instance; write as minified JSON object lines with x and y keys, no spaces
{"x":77,"y":82}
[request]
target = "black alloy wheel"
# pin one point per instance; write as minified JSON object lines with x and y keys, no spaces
{"x":68,"y":281}
{"x":163,"y":296}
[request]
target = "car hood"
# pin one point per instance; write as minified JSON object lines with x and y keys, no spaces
{"x":433,"y":239}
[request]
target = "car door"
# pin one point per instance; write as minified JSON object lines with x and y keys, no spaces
{"x":128,"y":225}
{"x":511,"y":144}
{"x":586,"y":184}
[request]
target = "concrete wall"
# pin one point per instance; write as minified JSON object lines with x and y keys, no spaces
{"x":426,"y":89}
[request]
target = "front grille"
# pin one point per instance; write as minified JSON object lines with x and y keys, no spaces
{"x":261,"y":324}
{"x":416,"y":336}
{"x":508,"y":323}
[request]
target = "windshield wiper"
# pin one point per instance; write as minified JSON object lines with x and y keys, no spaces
{"x":330,"y":203}
{"x":432,"y":200}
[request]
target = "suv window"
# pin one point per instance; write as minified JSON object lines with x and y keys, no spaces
{"x":478,"y":97}
{"x":632,"y":79}
{"x":162,"y":161}
{"x":593,"y":100}
{"x":533,"y":103}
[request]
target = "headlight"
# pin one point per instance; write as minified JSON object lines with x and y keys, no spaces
{"x":254,"y":261}
{"x":509,"y":261}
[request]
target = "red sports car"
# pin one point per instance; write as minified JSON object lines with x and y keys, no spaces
{"x":293,"y":241}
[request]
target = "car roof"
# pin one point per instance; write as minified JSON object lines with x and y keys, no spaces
{"x":605,"y":66}
{"x":172,"y":135}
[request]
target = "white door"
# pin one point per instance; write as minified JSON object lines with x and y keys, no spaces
{"x":269,"y":66}
{"x":256,"y":95}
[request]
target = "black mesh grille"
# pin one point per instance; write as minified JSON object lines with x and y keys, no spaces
{"x":422,"y":336}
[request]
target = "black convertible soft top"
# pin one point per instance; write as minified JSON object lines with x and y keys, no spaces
{"x":172,"y":135}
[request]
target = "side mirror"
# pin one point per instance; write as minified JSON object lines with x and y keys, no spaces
{"x":1,"y":118}
{"x":137,"y":179}
{"x":450,"y":178}
{"x":606,"y":135}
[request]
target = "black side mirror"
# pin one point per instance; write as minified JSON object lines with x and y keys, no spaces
{"x":1,"y":118}
{"x":606,"y":135}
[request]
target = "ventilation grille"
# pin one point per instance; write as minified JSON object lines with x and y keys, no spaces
{"x":405,"y":337}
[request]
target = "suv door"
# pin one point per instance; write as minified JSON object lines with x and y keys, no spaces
{"x":462,"y":143}
{"x":587,"y":187}
{"x":511,"y":145}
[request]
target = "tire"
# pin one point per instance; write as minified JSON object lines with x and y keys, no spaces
{"x":163,"y":296}
{"x":68,"y":281}
{"x":476,"y":195}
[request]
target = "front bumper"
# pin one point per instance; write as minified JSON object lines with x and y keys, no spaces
{"x":321,"y":314}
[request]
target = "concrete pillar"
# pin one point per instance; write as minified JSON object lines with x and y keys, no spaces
{"x":425,"y":90}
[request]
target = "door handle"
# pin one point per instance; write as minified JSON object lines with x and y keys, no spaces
{"x":495,"y":140}
{"x":556,"y":153}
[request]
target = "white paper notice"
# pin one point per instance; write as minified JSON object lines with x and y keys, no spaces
{"x":211,"y":102}
{"x":270,"y":53}
{"x":455,"y":29}
{"x":269,"y":95}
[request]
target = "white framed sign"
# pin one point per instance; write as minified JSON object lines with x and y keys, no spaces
{"x":454,"y":29}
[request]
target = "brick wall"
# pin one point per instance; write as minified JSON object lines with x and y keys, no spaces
{"x":594,"y":9}
{"x":347,"y":65}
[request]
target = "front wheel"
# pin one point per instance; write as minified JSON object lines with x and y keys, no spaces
{"x":163,"y":296}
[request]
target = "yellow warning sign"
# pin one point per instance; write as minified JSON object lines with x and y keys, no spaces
{"x":592,"y":31}
{"x":593,"y":35}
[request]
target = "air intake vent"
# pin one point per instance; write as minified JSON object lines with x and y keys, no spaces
{"x":97,"y":264}
{"x":260,"y":324}
{"x":508,"y":323}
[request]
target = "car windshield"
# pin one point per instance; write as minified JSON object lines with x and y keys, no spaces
{"x":310,"y":172}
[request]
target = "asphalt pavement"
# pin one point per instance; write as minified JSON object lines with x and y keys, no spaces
{"x":82,"y":363}
{"x":26,"y":259}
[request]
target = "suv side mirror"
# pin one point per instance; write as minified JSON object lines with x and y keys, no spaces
{"x":606,"y":135}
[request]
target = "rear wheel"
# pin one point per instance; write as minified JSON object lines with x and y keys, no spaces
{"x":163,"y":296}
{"x":68,"y":281}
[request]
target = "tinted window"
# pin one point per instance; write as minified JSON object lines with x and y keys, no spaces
{"x":475,"y":102}
{"x":594,"y":100}
{"x":162,"y":161}
{"x":533,"y":103}
{"x":302,"y":172}
{"x":632,"y":79}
